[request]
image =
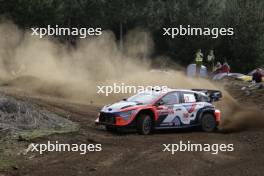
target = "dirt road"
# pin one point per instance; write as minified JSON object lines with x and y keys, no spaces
{"x":133,"y":154}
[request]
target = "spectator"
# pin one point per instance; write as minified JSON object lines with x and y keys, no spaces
{"x":257,"y":76}
{"x":256,"y":82}
{"x":218,"y":66}
{"x":198,"y":61}
{"x":211,"y":58}
{"x":225,"y":68}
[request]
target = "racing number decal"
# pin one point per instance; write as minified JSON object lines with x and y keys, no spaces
{"x":190,"y":110}
{"x":184,"y":112}
{"x":186,"y":99}
{"x":189,"y":98}
{"x":184,"y":115}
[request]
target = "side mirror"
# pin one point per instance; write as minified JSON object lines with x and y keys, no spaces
{"x":124,"y":99}
{"x":160,"y":102}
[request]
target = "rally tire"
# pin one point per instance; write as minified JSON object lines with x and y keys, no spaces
{"x":208,"y":122}
{"x":144,"y":124}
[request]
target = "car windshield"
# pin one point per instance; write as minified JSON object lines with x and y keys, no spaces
{"x":144,"y":98}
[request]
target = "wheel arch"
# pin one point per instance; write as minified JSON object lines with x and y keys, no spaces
{"x":206,"y":110}
{"x":147,"y":111}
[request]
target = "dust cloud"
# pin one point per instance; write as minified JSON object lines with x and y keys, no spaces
{"x":48,"y":67}
{"x":74,"y":72}
{"x":239,"y":117}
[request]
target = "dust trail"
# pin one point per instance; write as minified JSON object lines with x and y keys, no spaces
{"x":45,"y":66}
{"x":238,"y":117}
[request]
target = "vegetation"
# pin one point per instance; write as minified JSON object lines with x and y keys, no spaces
{"x":244,"y":50}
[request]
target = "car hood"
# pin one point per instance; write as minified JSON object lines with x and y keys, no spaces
{"x":119,"y":105}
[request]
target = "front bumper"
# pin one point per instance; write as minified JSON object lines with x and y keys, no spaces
{"x":113,"y":119}
{"x":106,"y":119}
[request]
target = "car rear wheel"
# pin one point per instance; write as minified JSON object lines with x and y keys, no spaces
{"x":144,"y":124}
{"x":208,"y":123}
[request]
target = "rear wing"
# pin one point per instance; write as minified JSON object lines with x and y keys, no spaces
{"x":214,"y":95}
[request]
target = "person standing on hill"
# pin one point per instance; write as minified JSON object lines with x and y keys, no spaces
{"x":211,"y":59}
{"x":198,"y":61}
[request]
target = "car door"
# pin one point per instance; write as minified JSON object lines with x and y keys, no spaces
{"x":190,"y":107}
{"x":169,"y":110}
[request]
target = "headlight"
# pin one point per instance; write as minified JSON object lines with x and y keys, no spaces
{"x":126,"y":114}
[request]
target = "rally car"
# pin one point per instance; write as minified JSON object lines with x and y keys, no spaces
{"x":163,"y":109}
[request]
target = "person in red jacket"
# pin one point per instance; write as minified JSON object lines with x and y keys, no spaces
{"x":225,"y":68}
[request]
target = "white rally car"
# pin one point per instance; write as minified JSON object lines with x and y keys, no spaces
{"x":163,"y":109}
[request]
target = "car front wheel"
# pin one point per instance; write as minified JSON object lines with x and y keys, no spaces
{"x":144,"y":124}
